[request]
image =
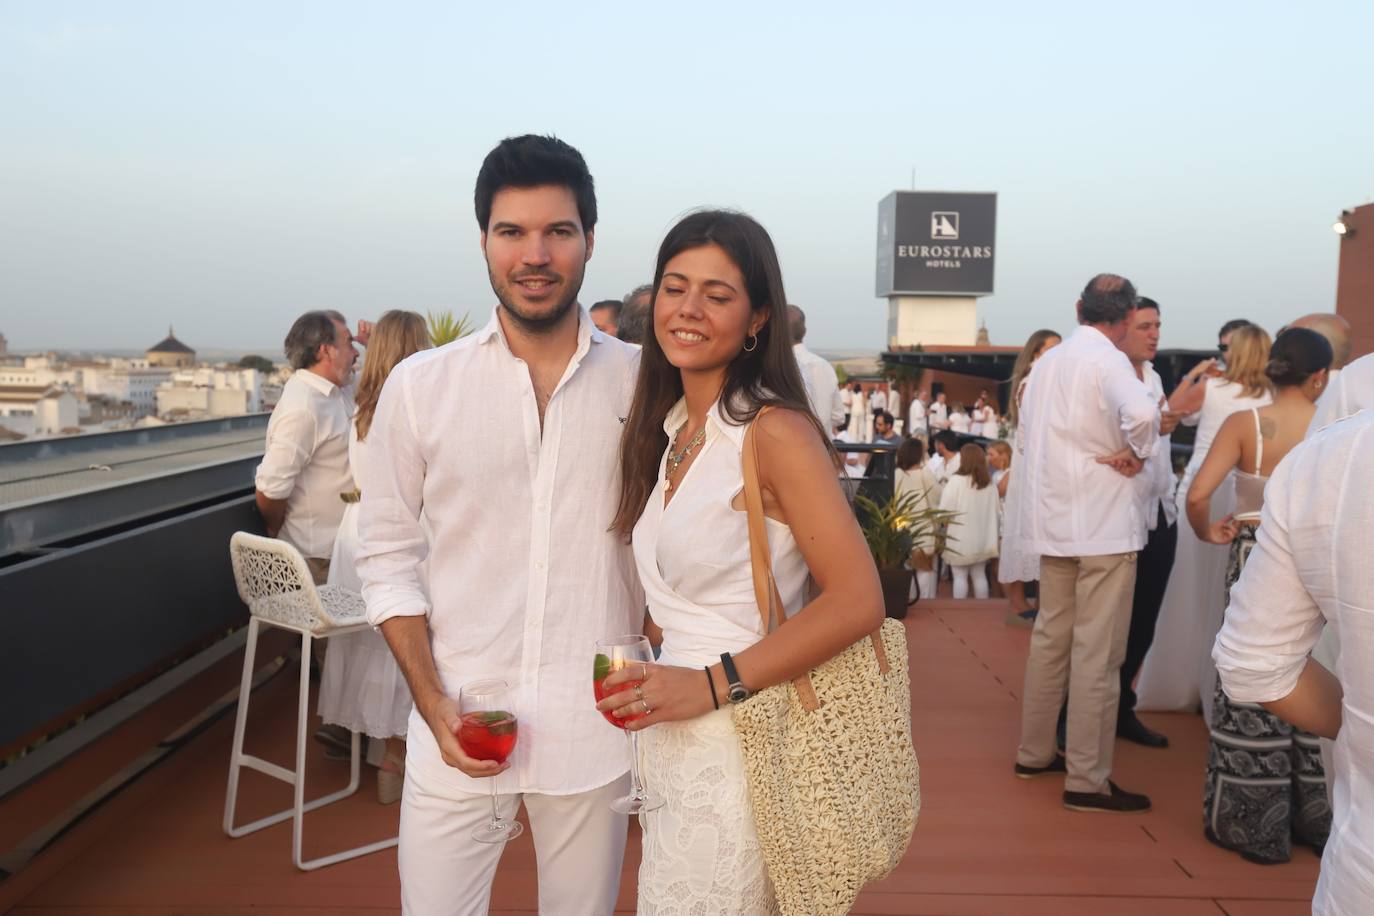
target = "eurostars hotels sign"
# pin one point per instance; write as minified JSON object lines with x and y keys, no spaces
{"x":936,"y":243}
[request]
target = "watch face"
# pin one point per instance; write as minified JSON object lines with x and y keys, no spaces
{"x":738,"y":694}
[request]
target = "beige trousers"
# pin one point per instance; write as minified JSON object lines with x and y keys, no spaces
{"x":1078,"y":644}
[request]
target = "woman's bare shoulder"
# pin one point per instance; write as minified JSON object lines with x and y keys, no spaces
{"x":785,"y":426}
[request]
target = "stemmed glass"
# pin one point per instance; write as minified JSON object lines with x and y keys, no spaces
{"x":487,"y":731}
{"x":615,"y":654}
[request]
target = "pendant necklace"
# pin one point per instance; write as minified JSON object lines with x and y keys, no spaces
{"x":675,"y":457}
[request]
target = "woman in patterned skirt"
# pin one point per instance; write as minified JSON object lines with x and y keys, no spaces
{"x":1265,"y":784}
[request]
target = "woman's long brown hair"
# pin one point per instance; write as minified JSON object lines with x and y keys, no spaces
{"x":1024,"y":361}
{"x":973,"y":462}
{"x":396,"y":335}
{"x":764,"y":377}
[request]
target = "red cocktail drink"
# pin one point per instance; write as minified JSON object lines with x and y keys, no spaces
{"x":601,"y":669}
{"x":488,"y":735}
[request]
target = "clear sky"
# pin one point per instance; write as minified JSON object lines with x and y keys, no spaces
{"x":225,"y":166}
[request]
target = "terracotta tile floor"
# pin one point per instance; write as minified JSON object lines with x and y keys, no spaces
{"x":987,"y":842}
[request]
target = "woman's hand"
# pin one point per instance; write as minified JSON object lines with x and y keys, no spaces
{"x":1222,"y":531}
{"x":1206,"y":367}
{"x":669,"y":694}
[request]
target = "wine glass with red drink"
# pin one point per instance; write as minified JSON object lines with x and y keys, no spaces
{"x":487,"y":730}
{"x":616,"y":654}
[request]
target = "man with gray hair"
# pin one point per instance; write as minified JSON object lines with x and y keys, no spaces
{"x":305,"y":470}
{"x":822,"y":383}
{"x":1087,"y":425}
{"x":635,"y":319}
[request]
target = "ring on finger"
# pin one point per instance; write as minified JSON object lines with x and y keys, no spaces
{"x":643,"y":671}
{"x":647,"y":710}
{"x":639,"y":692}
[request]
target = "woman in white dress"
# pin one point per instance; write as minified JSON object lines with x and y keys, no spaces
{"x":958,"y":420}
{"x":1016,"y":565}
{"x":719,"y":353}
{"x":361,"y":687}
{"x":972,"y":538}
{"x":1178,"y":673}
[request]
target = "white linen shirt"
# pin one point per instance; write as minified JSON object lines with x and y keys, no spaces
{"x":1310,"y":568}
{"x":524,"y":574}
{"x":1157,"y":480}
{"x":1083,"y":402}
{"x":822,"y":386}
{"x":306,"y":461}
{"x":1348,"y":391}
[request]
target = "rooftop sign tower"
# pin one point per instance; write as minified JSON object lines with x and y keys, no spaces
{"x":935,"y":258}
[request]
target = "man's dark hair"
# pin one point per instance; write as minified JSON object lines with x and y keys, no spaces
{"x":308,"y":333}
{"x":611,"y":305}
{"x":1235,"y":324}
{"x":948,"y":438}
{"x":528,"y":162}
{"x":883,"y":415}
{"x":1147,"y":303}
{"x":1106,"y":299}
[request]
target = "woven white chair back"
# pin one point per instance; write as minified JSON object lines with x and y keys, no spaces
{"x":274,"y":581}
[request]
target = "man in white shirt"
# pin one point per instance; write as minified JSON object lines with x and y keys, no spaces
{"x":1156,"y":484}
{"x":1088,"y":425}
{"x":486,"y":551}
{"x":939,"y":414}
{"x":822,"y":383}
{"x":944,"y":464}
{"x":917,"y":415}
{"x":305,"y":466}
{"x":1310,"y":570}
{"x":1347,"y":393}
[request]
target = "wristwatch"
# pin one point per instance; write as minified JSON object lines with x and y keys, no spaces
{"x":737,"y":692}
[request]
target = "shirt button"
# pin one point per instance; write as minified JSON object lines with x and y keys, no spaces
{"x":539,"y":564}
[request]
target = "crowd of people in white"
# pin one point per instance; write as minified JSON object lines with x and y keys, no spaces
{"x":594,"y":479}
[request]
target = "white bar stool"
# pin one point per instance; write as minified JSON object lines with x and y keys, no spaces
{"x":275,"y":583}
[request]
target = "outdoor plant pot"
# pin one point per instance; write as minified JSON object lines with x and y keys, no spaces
{"x":896,"y":584}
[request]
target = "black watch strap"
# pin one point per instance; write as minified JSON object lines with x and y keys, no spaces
{"x":737,"y":692}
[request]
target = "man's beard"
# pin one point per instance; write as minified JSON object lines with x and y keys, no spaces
{"x":537,"y":324}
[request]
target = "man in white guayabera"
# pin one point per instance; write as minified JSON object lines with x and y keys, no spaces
{"x":1087,"y":425}
{"x":486,"y":552}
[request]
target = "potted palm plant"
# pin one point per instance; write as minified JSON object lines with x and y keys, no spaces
{"x":892,"y":529}
{"x":444,"y":328}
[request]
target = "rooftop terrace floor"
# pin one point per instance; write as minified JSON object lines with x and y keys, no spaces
{"x":987,"y":843}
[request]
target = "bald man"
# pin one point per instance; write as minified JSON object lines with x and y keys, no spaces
{"x":1335,"y":329}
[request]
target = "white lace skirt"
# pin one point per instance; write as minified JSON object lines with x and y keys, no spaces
{"x":1015,"y":563}
{"x":361,"y":687}
{"x":701,"y":852}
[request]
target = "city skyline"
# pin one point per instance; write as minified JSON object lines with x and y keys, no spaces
{"x":227,"y":169}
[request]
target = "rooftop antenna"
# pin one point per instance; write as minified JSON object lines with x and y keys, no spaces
{"x":913,"y":178}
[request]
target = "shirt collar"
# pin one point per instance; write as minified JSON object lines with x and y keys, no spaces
{"x":1094,"y":335}
{"x":321,"y":384}
{"x":586,"y":330}
{"x":715,"y":419}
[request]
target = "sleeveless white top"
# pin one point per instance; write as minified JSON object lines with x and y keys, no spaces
{"x":693,"y":555}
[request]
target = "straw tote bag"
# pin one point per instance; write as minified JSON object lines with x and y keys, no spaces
{"x":831,"y":768}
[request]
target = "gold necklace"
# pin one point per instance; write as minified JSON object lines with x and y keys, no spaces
{"x":675,"y":458}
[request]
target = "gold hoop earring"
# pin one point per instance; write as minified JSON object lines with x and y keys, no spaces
{"x":755,"y":339}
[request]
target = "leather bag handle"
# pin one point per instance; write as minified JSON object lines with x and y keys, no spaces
{"x":765,"y":586}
